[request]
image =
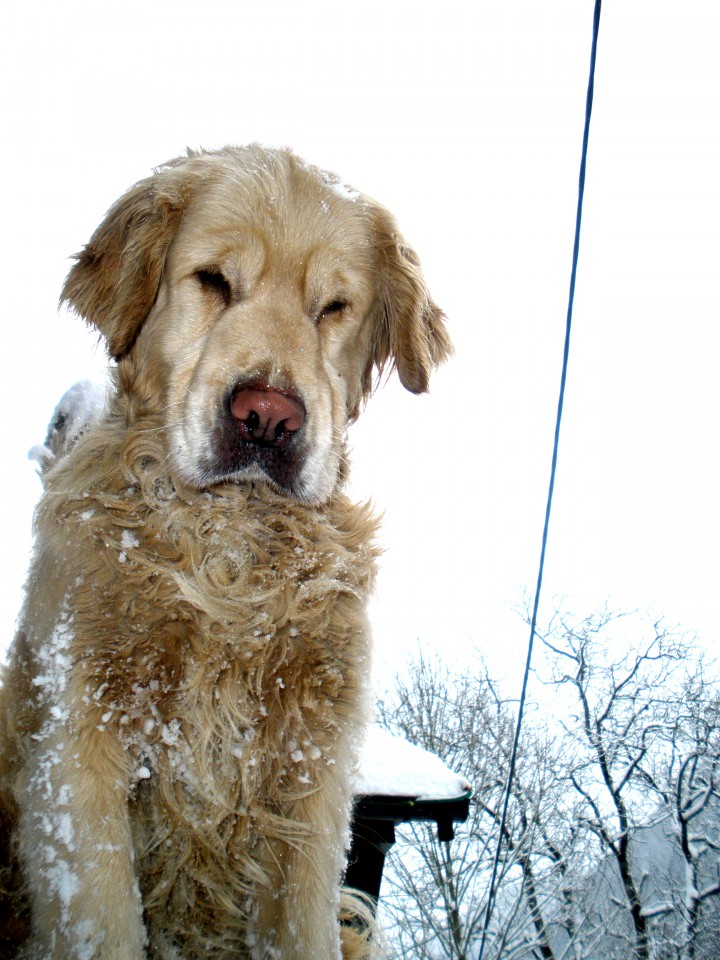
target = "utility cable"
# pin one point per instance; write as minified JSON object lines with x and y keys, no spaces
{"x":566,"y":354}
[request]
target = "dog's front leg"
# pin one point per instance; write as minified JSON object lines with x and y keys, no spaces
{"x":76,"y":846}
{"x":298,"y":920}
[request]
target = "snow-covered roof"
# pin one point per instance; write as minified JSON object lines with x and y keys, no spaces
{"x":392,"y":767}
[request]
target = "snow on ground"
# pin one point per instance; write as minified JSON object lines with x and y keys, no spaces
{"x":392,"y":767}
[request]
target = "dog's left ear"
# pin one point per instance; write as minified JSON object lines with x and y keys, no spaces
{"x":410,"y":328}
{"x":115,"y":279}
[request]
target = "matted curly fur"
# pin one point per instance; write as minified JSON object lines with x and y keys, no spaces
{"x":182,"y":702}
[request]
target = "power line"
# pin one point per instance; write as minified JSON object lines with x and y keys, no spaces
{"x":563,"y":378}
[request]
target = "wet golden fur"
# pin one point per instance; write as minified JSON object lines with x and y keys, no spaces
{"x":182,"y":700}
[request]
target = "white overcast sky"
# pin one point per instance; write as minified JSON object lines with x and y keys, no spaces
{"x":465,"y":119}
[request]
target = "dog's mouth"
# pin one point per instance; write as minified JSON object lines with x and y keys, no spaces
{"x":259,"y":432}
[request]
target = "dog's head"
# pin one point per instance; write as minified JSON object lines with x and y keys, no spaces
{"x":251,"y":299}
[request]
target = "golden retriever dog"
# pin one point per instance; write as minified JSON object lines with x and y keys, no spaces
{"x":182,"y":703}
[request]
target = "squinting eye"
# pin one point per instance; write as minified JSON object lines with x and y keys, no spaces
{"x":214,"y":281}
{"x":334,"y":307}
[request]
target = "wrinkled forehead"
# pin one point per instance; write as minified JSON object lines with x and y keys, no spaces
{"x":290,"y":213}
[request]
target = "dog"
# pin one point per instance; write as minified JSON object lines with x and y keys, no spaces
{"x":183,"y":699}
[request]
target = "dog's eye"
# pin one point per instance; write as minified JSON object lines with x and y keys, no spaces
{"x":331,"y":309}
{"x":215,"y":282}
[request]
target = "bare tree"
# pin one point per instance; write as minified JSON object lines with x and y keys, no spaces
{"x":611,"y":849}
{"x":438,"y":891}
{"x":686,"y":776}
{"x":645,"y":733}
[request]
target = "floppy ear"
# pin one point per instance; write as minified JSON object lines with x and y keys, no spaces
{"x":115,"y":280}
{"x":410,"y":328}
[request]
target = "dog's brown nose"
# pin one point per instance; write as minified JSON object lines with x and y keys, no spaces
{"x":266,"y":416}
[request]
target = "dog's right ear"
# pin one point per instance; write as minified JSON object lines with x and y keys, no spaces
{"x":115,"y":280}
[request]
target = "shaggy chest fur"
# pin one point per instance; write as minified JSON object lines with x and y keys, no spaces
{"x":220,"y":636}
